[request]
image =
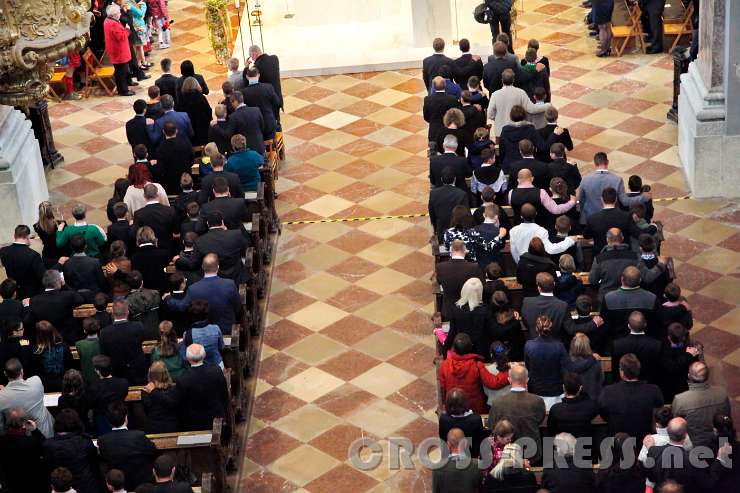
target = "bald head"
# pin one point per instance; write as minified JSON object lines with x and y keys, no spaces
{"x":631,"y":277}
{"x":458,"y":247}
{"x":438,"y":83}
{"x":637,"y":322}
{"x":614,"y":236}
{"x":698,"y":372}
{"x":677,"y":428}
{"x":210,"y":263}
{"x":455,"y":438}
{"x":524,"y":176}
{"x":518,"y":375}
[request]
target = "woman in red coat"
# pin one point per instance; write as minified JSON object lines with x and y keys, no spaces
{"x":465,"y":370}
{"x":116,"y":45}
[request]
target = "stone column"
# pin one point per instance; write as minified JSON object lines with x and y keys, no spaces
{"x":431,"y":19}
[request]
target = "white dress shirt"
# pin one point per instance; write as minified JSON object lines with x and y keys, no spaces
{"x":522,"y":234}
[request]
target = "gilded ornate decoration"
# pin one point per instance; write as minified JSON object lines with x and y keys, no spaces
{"x":218,"y":32}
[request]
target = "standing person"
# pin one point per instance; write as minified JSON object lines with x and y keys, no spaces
{"x":467,"y":66}
{"x":433,"y":63}
{"x":72,"y":449}
{"x":435,"y":107}
{"x":202,"y":391}
{"x":246,"y":121}
{"x":46,"y":229}
{"x":139,"y":177}
{"x":269,"y":70}
{"x":261,"y":95}
{"x":459,"y":473}
{"x":137,"y":11}
{"x":546,"y":360}
{"x":174,"y":157}
{"x":22,"y":264}
{"x":602,"y":17}
{"x":160,"y":401}
{"x":116,"y":45}
{"x":51,"y":356}
{"x":503,"y":100}
{"x":245,"y":162}
{"x":161,"y":20}
{"x":652,"y":24}
{"x":121,"y":341}
{"x":194,"y":103}
{"x":22,"y":452}
{"x":235,"y":75}
{"x":94,"y":235}
{"x":167,"y":350}
{"x":27,"y":393}
{"x":500,"y":19}
{"x":167,"y":83}
{"x":188,"y":70}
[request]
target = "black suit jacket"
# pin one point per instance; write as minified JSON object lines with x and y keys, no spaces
{"x":431,"y":65}
{"x":162,"y":219}
{"x":269,"y":67}
{"x":435,"y":107}
{"x":173,"y":487}
{"x":151,"y":262}
{"x":174,"y":157}
{"x":203,"y":396}
{"x":206,"y":186}
{"x":248,"y":122}
{"x":673,"y":462}
{"x":569,"y":172}
{"x":539,"y":172}
{"x":262,"y":96}
{"x":474,"y":119}
{"x":180,"y":80}
{"x":103,"y":391}
{"x":230,"y":246}
{"x":131,"y":452}
{"x":451,"y":275}
{"x":167,"y":85}
{"x":492,"y":72}
{"x":136,"y":132}
{"x":438,"y":163}
{"x":25,"y":266}
{"x":466,"y":67}
{"x":121,"y":341}
{"x":441,"y":202}
{"x":646,"y":349}
{"x":182,"y":201}
{"x":83,"y":272}
{"x":548,"y":135}
{"x":219,"y":134}
{"x":600,"y":222}
{"x":629,"y":407}
{"x":56,"y":307}
{"x":121,"y":230}
{"x":234,"y":211}
{"x":556,"y":309}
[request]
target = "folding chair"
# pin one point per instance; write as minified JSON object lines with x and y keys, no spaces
{"x":280,"y":145}
{"x":56,"y":79}
{"x":632,"y":30}
{"x":95,"y":71}
{"x":682,"y":28}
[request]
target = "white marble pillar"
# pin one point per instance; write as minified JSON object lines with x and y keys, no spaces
{"x":431,"y":19}
{"x":22,"y":179}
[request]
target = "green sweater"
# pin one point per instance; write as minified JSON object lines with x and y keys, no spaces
{"x":94,"y":237}
{"x":87,"y":349}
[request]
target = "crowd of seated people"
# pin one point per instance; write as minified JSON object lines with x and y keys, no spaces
{"x":593,"y":355}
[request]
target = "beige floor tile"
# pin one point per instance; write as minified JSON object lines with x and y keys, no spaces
{"x":381,"y":418}
{"x":107,"y":175}
{"x":267,"y":351}
{"x":385,"y":281}
{"x":718,"y":260}
{"x":306,"y":423}
{"x":700,"y":207}
{"x":708,"y":231}
{"x":261,"y":387}
{"x":609,"y":136}
{"x":388,"y":116}
{"x":388,"y":97}
{"x":329,"y":182}
{"x":321,"y":286}
{"x":733,"y":358}
{"x":385,"y":228}
{"x":383,"y":344}
{"x":726,"y":289}
{"x":324,"y":232}
{"x":315,"y":349}
{"x":384,"y":469}
{"x":322,"y":257}
{"x":317,"y":315}
{"x":338,"y":100}
{"x":309,"y":385}
{"x":385,"y":201}
{"x":387,"y":135}
{"x":338,"y":83}
{"x":729,"y":322}
{"x":73,"y":135}
{"x":333,"y":140}
{"x":326,"y":205}
{"x":386,"y":177}
{"x":336,"y":119}
{"x":386,"y":312}
{"x":331,"y":160}
{"x":303,"y":464}
{"x":606,"y":118}
{"x":386,"y":252}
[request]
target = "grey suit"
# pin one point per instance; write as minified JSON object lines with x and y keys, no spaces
{"x":589,"y":198}
{"x":556,"y":309}
{"x":29,"y":395}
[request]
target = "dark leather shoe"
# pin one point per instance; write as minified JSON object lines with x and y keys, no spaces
{"x":130,"y":93}
{"x":652,"y":51}
{"x":145,"y":77}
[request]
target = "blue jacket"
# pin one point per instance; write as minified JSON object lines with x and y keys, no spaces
{"x":207,"y":335}
{"x":589,"y":197}
{"x":546,"y":360}
{"x":223,"y":300}
{"x":246,"y":164}
{"x":179,"y":118}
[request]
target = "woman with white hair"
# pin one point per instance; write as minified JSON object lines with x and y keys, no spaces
{"x":511,"y":473}
{"x":471,"y":316}
{"x":565,"y":476}
{"x":116,"y":45}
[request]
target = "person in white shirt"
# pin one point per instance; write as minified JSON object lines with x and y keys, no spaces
{"x":663,"y":416}
{"x":522,"y":234}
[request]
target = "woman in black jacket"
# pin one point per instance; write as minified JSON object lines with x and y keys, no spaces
{"x":73,"y":396}
{"x":531,"y":263}
{"x":518,"y":130}
{"x":506,"y":326}
{"x":72,"y":449}
{"x":119,"y":192}
{"x":619,"y":477}
{"x":188,"y":70}
{"x":160,"y":401}
{"x":194,"y":103}
{"x":46,"y":229}
{"x":458,"y":415}
{"x":471,"y":316}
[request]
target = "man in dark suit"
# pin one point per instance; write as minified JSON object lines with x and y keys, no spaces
{"x":104,"y":390}
{"x":202,"y":391}
{"x":23,"y":264}
{"x":121,"y":342}
{"x":618,"y":305}
{"x":229,"y":246}
{"x":121,"y":228}
{"x":54,"y":305}
{"x":269,"y":69}
{"x":561,"y":168}
{"x":672,"y":462}
{"x":261,"y":95}
{"x":136,"y":132}
{"x":609,"y":217}
{"x":222,"y":295}
{"x":128,"y":450}
{"x":167,"y":83}
{"x":460,"y":473}
{"x":247,"y":122}
{"x":219,"y":133}
{"x":452,"y":274}
{"x":554,"y":134}
{"x":432,"y":63}
{"x":652,"y":24}
{"x":82,"y":273}
{"x":206,"y":184}
{"x":449,"y":159}
{"x":494,"y":68}
{"x":164,"y":476}
{"x":436,"y":105}
{"x":466,"y":66}
{"x":546,"y":304}
{"x":628,"y":406}
{"x":161,"y":218}
{"x":174,"y":157}
{"x":179,"y":118}
{"x":540,"y":174}
{"x":234,"y":210}
{"x":442,"y":200}
{"x":647,"y":349}
{"x":608,"y":266}
{"x":474,"y":118}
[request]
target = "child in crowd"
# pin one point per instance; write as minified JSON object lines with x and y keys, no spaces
{"x":635,"y":186}
{"x":493,"y":282}
{"x":488,"y":175}
{"x":491,"y":229}
{"x":538,"y":119}
{"x":70,"y":63}
{"x":552,"y":133}
{"x":568,"y":286}
{"x":533,"y":44}
{"x":187,"y":196}
{"x":675,"y":308}
{"x":591,"y":325}
{"x":477,"y":96}
{"x":655,"y":272}
{"x":536,"y":79}
{"x":153,"y":106}
{"x":481,"y":140}
{"x":100,"y":303}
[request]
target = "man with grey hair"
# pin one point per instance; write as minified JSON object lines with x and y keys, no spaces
{"x":436,"y":105}
{"x":121,"y":342}
{"x":94,"y":235}
{"x":449,"y":157}
{"x":55,"y":305}
{"x":235,"y":75}
{"x":269,"y":70}
{"x":564,"y":474}
{"x":179,"y":118}
{"x":27,"y":394}
{"x":201,"y":391}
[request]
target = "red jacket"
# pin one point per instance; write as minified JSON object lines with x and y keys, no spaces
{"x":468,"y":373}
{"x":116,"y":42}
{"x":158,"y":9}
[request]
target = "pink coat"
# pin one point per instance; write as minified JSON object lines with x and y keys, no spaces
{"x":116,"y":41}
{"x":158,"y":9}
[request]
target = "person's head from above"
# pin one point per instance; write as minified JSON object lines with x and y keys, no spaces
{"x":533,"y":44}
{"x":439,"y":84}
{"x":493,"y":271}
{"x":153,"y":92}
{"x":631,"y":277}
{"x":677,"y":430}
{"x":140,"y":152}
{"x":13,"y":369}
{"x":176,"y":282}
{"x":614,"y":237}
{"x":540,"y":95}
{"x":724,"y":428}
{"x":227,"y":88}
{"x":8,"y":288}
{"x":662,"y":416}
{"x":195,"y":354}
{"x":90,"y":326}
{"x":238,"y":142}
{"x":464,"y":45}
{"x":193,"y":210}
{"x":458,"y":249}
{"x":471,"y":294}
{"x":145,"y":235}
{"x":571,"y":384}
{"x":448,"y":175}
{"x":672,"y":292}
{"x":187,"y":69}
{"x":698,"y":372}
{"x":637,"y":322}
{"x":138,"y":175}
{"x":462,"y":344}
{"x":526,"y":148}
{"x":79,"y":211}
{"x":565,"y":445}
{"x":189,"y":239}
{"x":543,"y":325}
{"x":210,"y":264}
{"x":449,"y":143}
{"x":119,"y":310}
{"x":199,"y":310}
{"x":490,"y":213}
{"x":670,"y":486}
{"x":117,"y":414}
{"x":567,"y":264}
{"x":456,"y":404}
{"x":503,"y":432}
{"x":466,"y":97}
{"x":169,"y":130}
{"x":518,"y":114}
{"x":487,"y":157}
{"x":580,"y":347}
{"x":167,"y":344}
{"x":164,"y":468}
{"x":167,"y":102}
{"x":609,"y":197}
{"x":113,"y":11}
{"x":22,"y":234}
{"x":562,"y":223}
{"x":530,"y":55}
{"x":191,"y":85}
{"x":220,"y":187}
{"x":518,"y":376}
{"x":52,"y":279}
{"x":558,"y":187}
{"x":140,"y":107}
{"x":438,"y":45}
{"x":16,"y":419}
{"x":166,"y":65}
{"x":507,"y":77}
{"x":119,"y":188}
{"x":215,"y":219}
{"x":461,"y":218}
{"x":102,"y":365}
{"x":600,"y":160}
{"x":135,"y":279}
{"x":536,"y":247}
{"x":456,"y":441}
{"x":473,"y":83}
{"x":210,"y":150}
{"x":77,"y":244}
{"x":648,"y":245}
{"x":236,"y":99}
{"x":160,"y":376}
{"x":233,"y":64}
{"x":528,"y":211}
{"x":638,"y":211}
{"x":499,"y":49}
{"x":100,"y":302}
{"x":500,"y":300}
{"x":47,"y":336}
{"x":445,"y":71}
{"x":481,"y":134}
{"x":217,"y":162}
{"x":61,"y":477}
{"x":545,"y":281}
{"x":220,"y":111}
{"x":524,"y":177}
{"x":551,"y":116}
{"x":453,"y":118}
{"x":504,"y":38}
{"x":186,"y":182}
{"x":488,"y":195}
{"x":252,"y":74}
{"x":115,"y":481}
{"x":629,"y":367}
{"x":255,"y":51}
{"x":634,"y":183}
{"x":68,"y":421}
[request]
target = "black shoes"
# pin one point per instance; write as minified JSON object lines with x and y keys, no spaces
{"x":129,"y":93}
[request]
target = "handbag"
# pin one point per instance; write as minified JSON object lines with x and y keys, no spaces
{"x":482,"y":14}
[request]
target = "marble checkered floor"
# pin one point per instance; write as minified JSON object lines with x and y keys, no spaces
{"x":347,"y":349}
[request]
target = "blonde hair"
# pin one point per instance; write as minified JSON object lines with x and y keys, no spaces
{"x":566,"y":263}
{"x":190,"y":84}
{"x":211,"y":149}
{"x":46,"y":217}
{"x":454,"y":116}
{"x":145,"y":234}
{"x":471,"y":294}
{"x":481,"y":133}
{"x":580,"y":345}
{"x":160,"y":376}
